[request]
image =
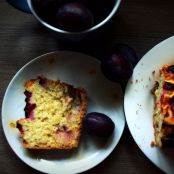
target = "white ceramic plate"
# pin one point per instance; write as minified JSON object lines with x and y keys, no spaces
{"x":103,"y":96}
{"x":138,"y":103}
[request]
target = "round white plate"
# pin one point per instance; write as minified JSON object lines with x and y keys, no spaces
{"x":103,"y":96}
{"x":139,"y":103}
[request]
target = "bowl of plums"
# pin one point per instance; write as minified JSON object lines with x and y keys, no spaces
{"x":74,"y":19}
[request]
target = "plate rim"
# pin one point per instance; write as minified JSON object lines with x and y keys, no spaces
{"x":29,"y":63}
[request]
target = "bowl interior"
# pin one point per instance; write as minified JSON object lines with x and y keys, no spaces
{"x":112,"y":8}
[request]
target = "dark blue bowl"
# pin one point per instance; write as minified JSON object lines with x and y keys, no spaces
{"x":20,"y":4}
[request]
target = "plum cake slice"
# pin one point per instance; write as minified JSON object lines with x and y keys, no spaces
{"x":54,"y":113}
{"x":163,"y":117}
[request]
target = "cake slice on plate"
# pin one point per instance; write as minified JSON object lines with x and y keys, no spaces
{"x":163,"y":117}
{"x":54,"y":113}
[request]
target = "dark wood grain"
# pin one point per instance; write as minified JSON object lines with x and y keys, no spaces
{"x":141,"y":24}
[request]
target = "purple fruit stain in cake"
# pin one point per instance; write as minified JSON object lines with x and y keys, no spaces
{"x":20,"y":128}
{"x":64,"y":133}
{"x":28,"y":110}
{"x":171,"y":69}
{"x":42,"y":81}
{"x":168,"y":86}
{"x":29,"y":107}
{"x":172,"y":104}
{"x":28,"y":95}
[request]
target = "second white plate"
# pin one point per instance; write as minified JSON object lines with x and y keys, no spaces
{"x":103,"y":96}
{"x":139,"y":103}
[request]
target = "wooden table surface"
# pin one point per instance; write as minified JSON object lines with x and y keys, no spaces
{"x":141,"y":24}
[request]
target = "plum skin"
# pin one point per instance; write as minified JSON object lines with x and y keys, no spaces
{"x":117,"y":68}
{"x":118,"y":63}
{"x":99,"y":124}
{"x":126,"y":51}
{"x":74,"y":17}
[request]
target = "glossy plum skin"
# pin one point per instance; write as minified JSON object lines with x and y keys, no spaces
{"x":118,"y":64}
{"x":126,"y":51}
{"x":116,"y":68}
{"x":99,"y":124}
{"x":74,"y":17}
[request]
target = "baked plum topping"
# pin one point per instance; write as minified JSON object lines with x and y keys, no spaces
{"x":19,"y":126}
{"x":28,"y":110}
{"x":168,"y":141}
{"x":172,"y":107}
{"x":42,"y":81}
{"x":168,"y":86}
{"x":171,"y":69}
{"x":27,"y":94}
{"x":172,"y":104}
